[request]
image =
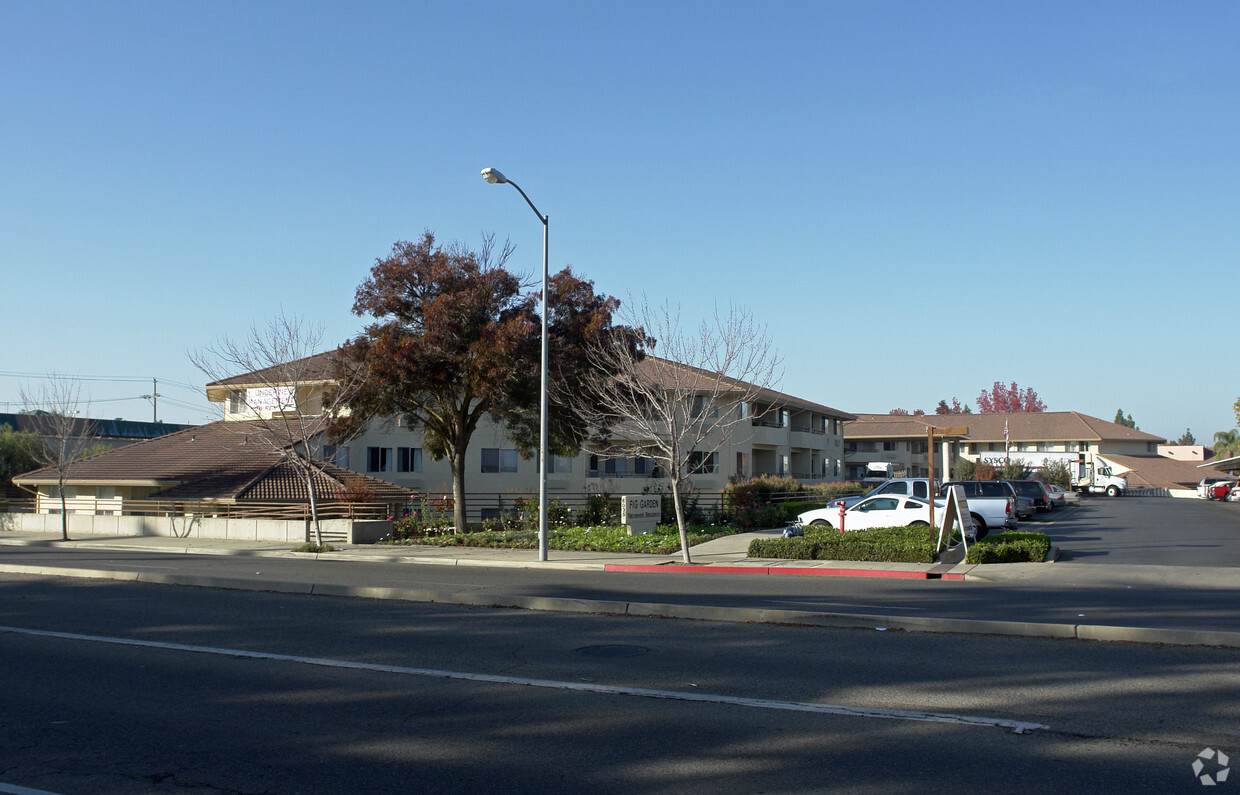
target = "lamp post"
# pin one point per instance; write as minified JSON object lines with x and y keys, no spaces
{"x":496,"y":178}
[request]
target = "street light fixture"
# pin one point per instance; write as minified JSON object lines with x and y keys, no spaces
{"x":496,"y":178}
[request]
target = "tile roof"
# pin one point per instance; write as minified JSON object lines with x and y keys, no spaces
{"x":319,"y":367}
{"x":696,"y":378}
{"x":219,"y":461}
{"x":1047,"y":426}
{"x":1158,"y":472}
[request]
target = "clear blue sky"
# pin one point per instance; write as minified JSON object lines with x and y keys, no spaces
{"x":919,"y":199}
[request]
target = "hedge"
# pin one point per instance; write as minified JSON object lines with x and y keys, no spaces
{"x":884,"y":544}
{"x":1010,"y":547}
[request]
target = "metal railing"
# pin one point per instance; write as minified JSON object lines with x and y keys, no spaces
{"x":286,"y":511}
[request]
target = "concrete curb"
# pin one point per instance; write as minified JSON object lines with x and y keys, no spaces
{"x":1090,"y":632}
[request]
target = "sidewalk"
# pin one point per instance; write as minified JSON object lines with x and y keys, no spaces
{"x":722,"y":556}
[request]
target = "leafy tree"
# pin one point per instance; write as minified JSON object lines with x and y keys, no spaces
{"x":1227,"y":443}
{"x":1013,"y":469}
{"x":454,"y":339}
{"x":18,"y":452}
{"x":964,"y":469}
{"x":954,"y":408}
{"x":1187,"y":438}
{"x":54,"y":415}
{"x":1057,"y":472}
{"x":1009,"y":399}
{"x":1127,"y":422}
{"x":680,"y":409}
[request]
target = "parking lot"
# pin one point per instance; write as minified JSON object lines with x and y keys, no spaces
{"x":1144,"y":531}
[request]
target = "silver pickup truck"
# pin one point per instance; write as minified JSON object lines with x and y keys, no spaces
{"x":992,"y":503}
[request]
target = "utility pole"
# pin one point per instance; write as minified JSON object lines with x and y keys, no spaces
{"x":154,"y":398}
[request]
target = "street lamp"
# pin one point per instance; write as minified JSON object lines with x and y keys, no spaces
{"x":496,"y":178}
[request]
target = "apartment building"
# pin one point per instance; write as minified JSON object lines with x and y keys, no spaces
{"x":776,"y":433}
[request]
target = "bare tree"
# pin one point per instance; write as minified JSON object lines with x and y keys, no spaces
{"x":680,"y":408}
{"x":288,"y":391}
{"x":55,"y":415}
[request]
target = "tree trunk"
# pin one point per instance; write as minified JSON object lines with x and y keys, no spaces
{"x":314,"y":507}
{"x":64,"y":514}
{"x":680,"y":519}
{"x":458,"y":491}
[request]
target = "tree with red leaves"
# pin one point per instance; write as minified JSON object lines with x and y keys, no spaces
{"x":1009,"y":399}
{"x":454,"y":340}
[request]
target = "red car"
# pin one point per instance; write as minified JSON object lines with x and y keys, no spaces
{"x":1218,"y":491}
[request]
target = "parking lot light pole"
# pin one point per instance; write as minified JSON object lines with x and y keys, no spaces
{"x":496,"y":178}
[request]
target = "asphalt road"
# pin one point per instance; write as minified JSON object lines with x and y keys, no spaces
{"x":125,"y":688}
{"x":1145,"y":531}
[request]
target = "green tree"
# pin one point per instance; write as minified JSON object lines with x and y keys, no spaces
{"x":1187,"y":438}
{"x":454,"y":339}
{"x":1013,"y":470}
{"x":18,"y":453}
{"x":1227,"y":443}
{"x":1057,"y":472}
{"x":1127,"y":422}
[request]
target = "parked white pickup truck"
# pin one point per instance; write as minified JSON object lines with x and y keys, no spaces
{"x":992,"y":503}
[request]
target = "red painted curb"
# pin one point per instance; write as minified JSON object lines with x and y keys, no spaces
{"x":910,"y":575}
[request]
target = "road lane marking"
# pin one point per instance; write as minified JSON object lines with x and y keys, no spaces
{"x":1018,"y":727}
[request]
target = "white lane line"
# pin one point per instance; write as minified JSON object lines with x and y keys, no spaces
{"x":1019,"y":727}
{"x":15,"y":789}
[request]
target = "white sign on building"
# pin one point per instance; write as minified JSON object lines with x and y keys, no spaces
{"x":271,"y":398}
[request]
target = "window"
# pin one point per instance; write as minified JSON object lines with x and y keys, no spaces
{"x":1046,"y":447}
{"x":495,"y":459}
{"x":702,"y":407}
{"x":593,"y":466}
{"x":889,"y":446}
{"x":918,"y":447}
{"x":235,"y":403}
{"x":335,"y":455}
{"x":703,"y":463}
{"x":742,"y":463}
{"x":556,"y":465}
{"x":378,"y":459}
{"x":408,"y":459}
{"x":616,"y":466}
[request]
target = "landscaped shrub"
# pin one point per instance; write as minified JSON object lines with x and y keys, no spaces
{"x":665,"y":539}
{"x":887,"y":544}
{"x":597,"y":512}
{"x":836,"y":491}
{"x":1010,"y":547}
{"x":429,"y":517}
{"x":796,"y":548}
